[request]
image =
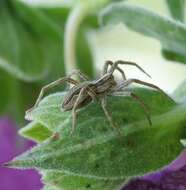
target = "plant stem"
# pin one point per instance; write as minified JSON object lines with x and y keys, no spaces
{"x":75,"y":18}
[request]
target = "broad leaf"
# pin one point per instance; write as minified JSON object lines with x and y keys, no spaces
{"x":105,"y":153}
{"x":176,"y":9}
{"x":31,"y":48}
{"x":32,"y":41}
{"x":171,"y":33}
{"x":23,"y":43}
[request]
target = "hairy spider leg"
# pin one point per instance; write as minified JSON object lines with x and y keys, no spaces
{"x":74,"y":112}
{"x":143,"y":105}
{"x":51,"y":85}
{"x":130,"y":81}
{"x":105,"y":69}
{"x":137,"y":99}
{"x":80,"y":74}
{"x":115,"y":65}
{"x":107,"y":113}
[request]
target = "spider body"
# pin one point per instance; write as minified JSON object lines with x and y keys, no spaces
{"x":83,"y":92}
{"x":72,"y":96}
{"x":98,"y":88}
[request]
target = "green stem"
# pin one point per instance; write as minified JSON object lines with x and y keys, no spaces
{"x":75,"y":18}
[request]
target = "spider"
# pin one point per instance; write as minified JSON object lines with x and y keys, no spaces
{"x":82,"y":93}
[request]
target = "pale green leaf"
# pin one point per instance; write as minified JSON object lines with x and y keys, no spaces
{"x":49,"y":187}
{"x":171,"y":33}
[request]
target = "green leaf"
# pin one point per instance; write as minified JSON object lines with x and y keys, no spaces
{"x":139,"y":148}
{"x":36,"y":132}
{"x":60,"y":180}
{"x":180,"y":93}
{"x":171,"y":33}
{"x":23,"y":44}
{"x":48,"y":113}
{"x":5,"y":92}
{"x":49,"y":187}
{"x":176,"y":9}
{"x":31,"y":46}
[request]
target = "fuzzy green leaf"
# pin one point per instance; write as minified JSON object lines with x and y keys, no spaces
{"x":36,"y":132}
{"x":60,"y":180}
{"x":171,"y":33}
{"x":49,"y":187}
{"x":139,"y":148}
{"x":176,"y":9}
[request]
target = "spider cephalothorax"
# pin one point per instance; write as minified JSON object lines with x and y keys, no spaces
{"x":82,"y":93}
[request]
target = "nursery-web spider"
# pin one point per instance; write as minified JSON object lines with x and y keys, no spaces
{"x":82,"y":93}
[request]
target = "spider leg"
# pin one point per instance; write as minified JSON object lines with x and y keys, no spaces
{"x":51,"y":85}
{"x":105,"y":69}
{"x":80,"y":74}
{"x":74,"y":112}
{"x":136,"y":98}
{"x":130,"y":81}
{"x":107,"y":113}
{"x":112,"y":69}
{"x":143,"y":105}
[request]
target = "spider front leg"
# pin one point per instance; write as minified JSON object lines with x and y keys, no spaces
{"x":105,"y":69}
{"x":80,"y":74}
{"x":51,"y":85}
{"x":115,"y":65}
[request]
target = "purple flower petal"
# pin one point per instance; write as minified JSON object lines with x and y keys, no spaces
{"x":139,"y":184}
{"x":174,"y":180}
{"x":10,"y":146}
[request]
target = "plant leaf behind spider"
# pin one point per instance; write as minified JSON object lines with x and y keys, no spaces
{"x":98,"y":154}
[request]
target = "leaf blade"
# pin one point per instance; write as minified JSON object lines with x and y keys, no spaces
{"x":100,"y":148}
{"x":169,"y":32}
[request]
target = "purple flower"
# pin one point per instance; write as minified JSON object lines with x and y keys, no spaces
{"x":172,"y":177}
{"x":12,"y":145}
